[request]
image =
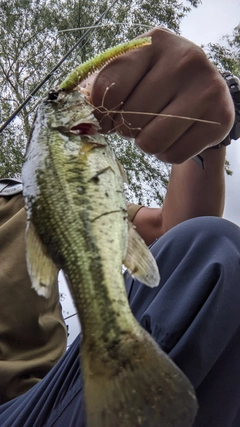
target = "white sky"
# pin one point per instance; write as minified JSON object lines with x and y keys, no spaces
{"x":208,"y":23}
{"x":211,"y":20}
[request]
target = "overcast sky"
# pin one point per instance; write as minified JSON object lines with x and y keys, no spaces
{"x":208,"y":23}
{"x":211,"y":20}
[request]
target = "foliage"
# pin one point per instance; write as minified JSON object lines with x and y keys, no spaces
{"x":227,"y":56}
{"x":228,"y":168}
{"x":35,"y":34}
{"x":147,"y":181}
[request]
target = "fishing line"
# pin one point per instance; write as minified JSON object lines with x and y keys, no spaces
{"x":56,"y":67}
{"x":105,"y":25}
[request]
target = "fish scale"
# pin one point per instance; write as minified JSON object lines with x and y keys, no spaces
{"x":77,"y":221}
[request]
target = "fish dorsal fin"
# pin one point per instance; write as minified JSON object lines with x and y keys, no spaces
{"x":41,"y":268}
{"x":140,"y":261}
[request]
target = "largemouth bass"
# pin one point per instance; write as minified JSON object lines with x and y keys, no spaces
{"x":77,"y":221}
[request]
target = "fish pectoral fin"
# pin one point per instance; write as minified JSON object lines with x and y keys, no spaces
{"x":122,"y":171}
{"x":42,"y":270}
{"x":139,"y":260}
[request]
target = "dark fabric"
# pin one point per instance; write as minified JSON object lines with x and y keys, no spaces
{"x":55,"y":401}
{"x":194,"y":315}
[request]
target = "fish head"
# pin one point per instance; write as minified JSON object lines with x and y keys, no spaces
{"x":70,"y":113}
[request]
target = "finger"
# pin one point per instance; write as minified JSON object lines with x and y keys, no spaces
{"x":177,"y":143}
{"x":173,"y":121}
{"x":145,"y":80}
{"x":178,"y":91}
{"x":160,"y":135}
{"x":199,"y":136}
{"x":115,"y":83}
{"x":112,"y":86}
{"x":191,"y":143}
{"x":151,"y":96}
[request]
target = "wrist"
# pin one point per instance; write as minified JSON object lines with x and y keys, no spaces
{"x":233,"y":84}
{"x":208,"y":156}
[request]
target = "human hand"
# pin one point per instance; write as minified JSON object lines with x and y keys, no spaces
{"x":171,"y":76}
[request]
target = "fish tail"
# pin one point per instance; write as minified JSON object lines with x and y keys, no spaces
{"x":94,"y":64}
{"x":146,"y":389}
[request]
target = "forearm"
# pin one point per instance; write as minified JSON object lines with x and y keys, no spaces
{"x":193,"y":191}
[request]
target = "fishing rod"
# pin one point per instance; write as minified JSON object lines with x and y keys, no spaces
{"x":56,"y":67}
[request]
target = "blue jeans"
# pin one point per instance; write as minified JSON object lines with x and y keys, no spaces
{"x":194,"y":315}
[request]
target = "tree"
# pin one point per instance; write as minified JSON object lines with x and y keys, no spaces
{"x":35,"y":34}
{"x":227,"y":56}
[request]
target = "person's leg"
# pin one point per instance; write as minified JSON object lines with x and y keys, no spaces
{"x":193,"y":314}
{"x":55,"y":401}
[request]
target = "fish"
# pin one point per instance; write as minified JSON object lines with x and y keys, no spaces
{"x":77,"y":221}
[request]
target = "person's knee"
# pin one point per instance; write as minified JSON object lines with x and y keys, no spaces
{"x":210,"y":226}
{"x":202,"y":237}
{"x":206,"y":228}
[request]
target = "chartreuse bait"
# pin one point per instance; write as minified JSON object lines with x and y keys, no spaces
{"x":80,"y":73}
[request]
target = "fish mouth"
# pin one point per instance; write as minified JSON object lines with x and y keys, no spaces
{"x":85,"y":129}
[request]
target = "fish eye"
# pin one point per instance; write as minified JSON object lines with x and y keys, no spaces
{"x":53,"y":95}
